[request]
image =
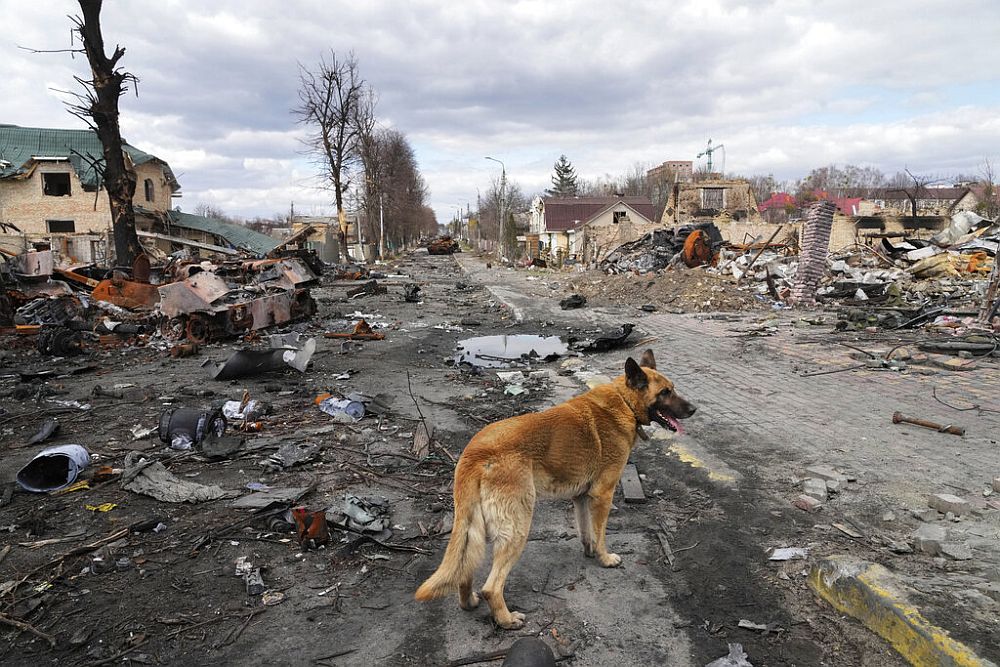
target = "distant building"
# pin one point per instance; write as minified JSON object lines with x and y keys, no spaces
{"x":586,"y":228}
{"x":681,"y":171}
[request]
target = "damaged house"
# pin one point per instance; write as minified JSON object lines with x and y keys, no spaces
{"x":51,"y":192}
{"x":51,"y":195}
{"x":587,"y":228}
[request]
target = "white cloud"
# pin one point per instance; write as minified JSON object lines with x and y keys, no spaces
{"x":786,"y":85}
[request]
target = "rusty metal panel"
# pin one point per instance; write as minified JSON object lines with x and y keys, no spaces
{"x":272,"y":309}
{"x":197,"y":294}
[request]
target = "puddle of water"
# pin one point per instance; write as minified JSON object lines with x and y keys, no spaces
{"x":504,"y":351}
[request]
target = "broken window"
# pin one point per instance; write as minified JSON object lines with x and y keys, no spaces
{"x":147,"y":186}
{"x":61,"y":226}
{"x":713,"y":198}
{"x":56,"y":184}
{"x":620,"y":216}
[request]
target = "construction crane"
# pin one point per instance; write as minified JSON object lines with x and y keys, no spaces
{"x":708,"y":152}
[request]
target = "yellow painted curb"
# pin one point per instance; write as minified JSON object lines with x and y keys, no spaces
{"x":869,"y":593}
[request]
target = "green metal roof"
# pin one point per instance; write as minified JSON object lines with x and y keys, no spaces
{"x":18,"y":145}
{"x":237,"y":236}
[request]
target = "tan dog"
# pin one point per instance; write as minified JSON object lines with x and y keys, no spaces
{"x":574,"y":450}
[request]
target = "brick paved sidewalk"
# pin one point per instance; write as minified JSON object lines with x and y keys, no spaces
{"x":759,"y":412}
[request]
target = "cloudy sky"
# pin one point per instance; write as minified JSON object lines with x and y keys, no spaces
{"x":785,"y":85}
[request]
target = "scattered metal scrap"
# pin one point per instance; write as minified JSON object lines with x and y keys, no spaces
{"x":898,"y":418}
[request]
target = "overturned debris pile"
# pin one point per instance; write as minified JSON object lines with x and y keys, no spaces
{"x":692,"y":245}
{"x":199,"y":301}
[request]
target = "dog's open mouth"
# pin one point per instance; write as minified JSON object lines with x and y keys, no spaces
{"x":666,"y":420}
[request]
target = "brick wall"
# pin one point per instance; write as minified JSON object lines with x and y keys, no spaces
{"x":23,"y":202}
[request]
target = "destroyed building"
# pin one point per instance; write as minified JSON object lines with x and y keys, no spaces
{"x":587,"y":228}
{"x":51,"y":196}
{"x":50,"y":190}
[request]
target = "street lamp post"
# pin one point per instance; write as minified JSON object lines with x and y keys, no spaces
{"x":503,"y":207}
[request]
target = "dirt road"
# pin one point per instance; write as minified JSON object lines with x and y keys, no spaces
{"x":695,"y":555}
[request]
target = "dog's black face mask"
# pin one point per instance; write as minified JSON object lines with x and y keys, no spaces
{"x":664,"y":405}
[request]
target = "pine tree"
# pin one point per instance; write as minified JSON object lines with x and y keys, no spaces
{"x":564,"y":179}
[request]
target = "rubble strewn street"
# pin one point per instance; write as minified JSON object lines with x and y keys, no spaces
{"x":181,"y":536}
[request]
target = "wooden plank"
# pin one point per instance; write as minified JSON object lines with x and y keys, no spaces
{"x":631,"y":486}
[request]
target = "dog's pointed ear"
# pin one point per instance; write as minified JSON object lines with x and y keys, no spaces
{"x":648,"y":360}
{"x":635,"y":378}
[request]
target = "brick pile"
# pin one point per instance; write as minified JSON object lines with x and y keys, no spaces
{"x":815,"y":247}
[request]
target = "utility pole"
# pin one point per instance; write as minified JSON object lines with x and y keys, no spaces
{"x":381,"y":228}
{"x":504,"y":249}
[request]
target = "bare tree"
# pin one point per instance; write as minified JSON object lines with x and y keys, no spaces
{"x":98,"y":107}
{"x":912,"y":190}
{"x":329,"y":101}
{"x":989,"y":207}
{"x":392,"y":199}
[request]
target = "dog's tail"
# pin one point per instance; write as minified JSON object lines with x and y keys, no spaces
{"x":467,"y":544}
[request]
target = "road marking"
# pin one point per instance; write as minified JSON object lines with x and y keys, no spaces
{"x":870,"y":593}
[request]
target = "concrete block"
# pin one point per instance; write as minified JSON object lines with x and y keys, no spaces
{"x":901,"y":353}
{"x":956,"y":550}
{"x":928,"y":514}
{"x":815,"y":488}
{"x":825,"y":472}
{"x":955,"y":364}
{"x":996,"y":484}
{"x":929,"y":537}
{"x":807,"y":503}
{"x":835,"y":485}
{"x":946,"y":502}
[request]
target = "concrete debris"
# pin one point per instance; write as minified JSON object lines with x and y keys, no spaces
{"x":928,"y":538}
{"x":946,"y":502}
{"x":737,"y":657}
{"x":826,"y":473}
{"x":956,"y":550}
{"x":814,"y":488}
{"x":807,"y":503}
{"x":789,"y":553}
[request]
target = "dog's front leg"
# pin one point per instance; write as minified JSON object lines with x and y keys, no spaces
{"x":600,"y":507}
{"x":584,"y":524}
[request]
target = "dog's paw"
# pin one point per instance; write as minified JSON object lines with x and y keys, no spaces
{"x":516,"y":621}
{"x":610,"y":560}
{"x":471,"y":603}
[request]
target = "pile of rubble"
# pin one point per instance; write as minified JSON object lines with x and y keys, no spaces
{"x":950,"y":277}
{"x":947,"y":280}
{"x":183,"y":299}
{"x":690,"y":245}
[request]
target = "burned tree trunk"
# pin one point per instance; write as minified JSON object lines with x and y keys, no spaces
{"x":99,"y":108}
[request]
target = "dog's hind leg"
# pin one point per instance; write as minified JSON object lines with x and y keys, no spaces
{"x":510,"y":520}
{"x":584,"y":525}
{"x":467,"y":598}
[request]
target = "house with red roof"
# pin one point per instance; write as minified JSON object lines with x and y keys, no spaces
{"x":587,"y":228}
